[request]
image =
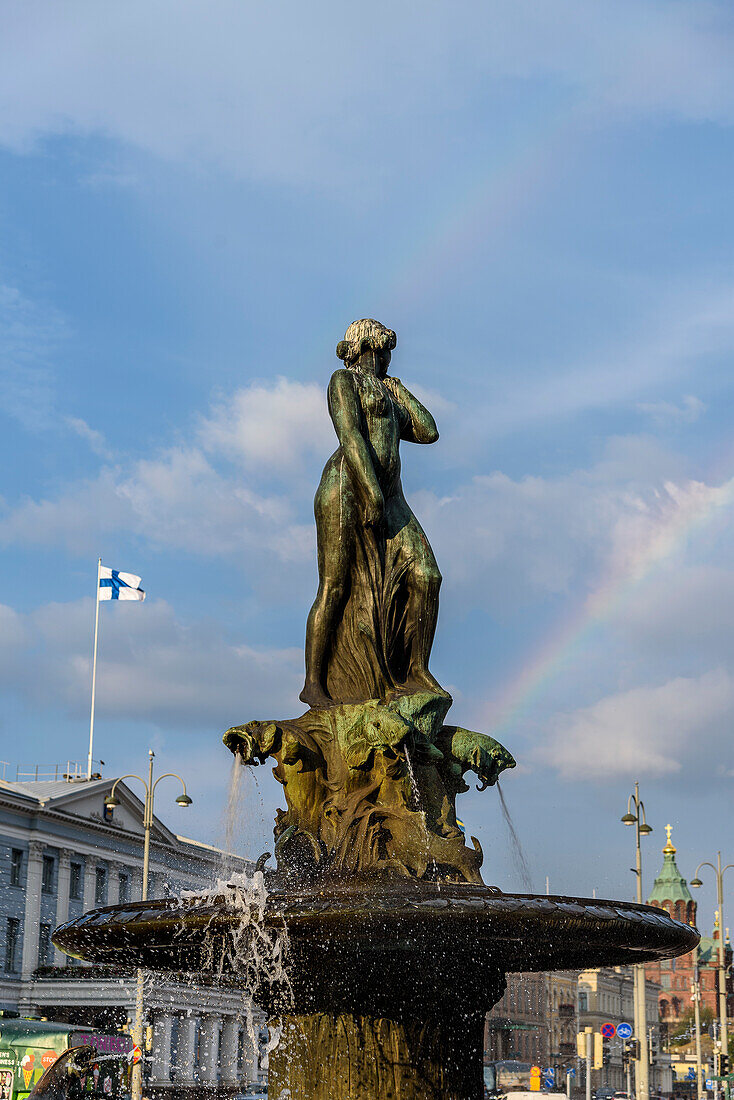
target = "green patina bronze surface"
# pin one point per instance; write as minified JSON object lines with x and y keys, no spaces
{"x":372,"y":786}
{"x":371,"y":627}
{"x":371,"y":772}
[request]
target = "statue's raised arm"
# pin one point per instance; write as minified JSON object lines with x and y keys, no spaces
{"x":420,"y":427}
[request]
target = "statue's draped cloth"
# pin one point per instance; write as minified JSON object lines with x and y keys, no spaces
{"x":368,"y":655}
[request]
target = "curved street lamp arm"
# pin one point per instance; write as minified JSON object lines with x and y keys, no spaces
{"x":705,"y":864}
{"x":130,"y":775}
{"x":169,"y":775}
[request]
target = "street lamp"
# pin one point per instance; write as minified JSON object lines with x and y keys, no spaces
{"x":112,"y":800}
{"x":719,"y":871}
{"x":642,"y":1075}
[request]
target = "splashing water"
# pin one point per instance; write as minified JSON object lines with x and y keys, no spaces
{"x":518,"y":855}
{"x":416,"y":804}
{"x":255,"y":952}
{"x":231,"y":814}
{"x":415,"y":794}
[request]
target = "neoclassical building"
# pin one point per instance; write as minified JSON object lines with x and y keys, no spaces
{"x":675,"y":976}
{"x":63,"y":852}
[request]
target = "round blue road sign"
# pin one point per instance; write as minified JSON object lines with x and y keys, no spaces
{"x":608,"y":1031}
{"x":624,"y":1031}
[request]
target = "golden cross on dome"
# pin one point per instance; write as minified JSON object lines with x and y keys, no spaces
{"x":669,"y":830}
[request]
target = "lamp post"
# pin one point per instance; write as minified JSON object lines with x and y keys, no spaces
{"x":697,"y":1018}
{"x":719,"y":871}
{"x":642,"y":1072}
{"x":112,"y":800}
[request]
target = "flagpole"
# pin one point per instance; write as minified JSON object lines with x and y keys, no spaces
{"x":94,"y":672}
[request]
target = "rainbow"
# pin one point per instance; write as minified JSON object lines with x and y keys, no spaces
{"x":681,"y":512}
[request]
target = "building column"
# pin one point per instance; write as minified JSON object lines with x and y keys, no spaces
{"x":113,"y":883}
{"x":250,"y":1052}
{"x":136,"y":884}
{"x":161,"y":1053}
{"x":32,"y":915}
{"x":90,"y":882}
{"x":186,"y":1050}
{"x":230,"y":1045}
{"x":62,"y":898}
{"x":209,"y":1049}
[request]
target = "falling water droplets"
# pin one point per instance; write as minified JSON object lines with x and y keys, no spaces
{"x":516,"y":849}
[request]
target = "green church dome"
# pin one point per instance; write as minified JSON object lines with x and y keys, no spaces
{"x":670,"y":884}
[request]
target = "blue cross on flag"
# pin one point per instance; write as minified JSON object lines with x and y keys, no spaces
{"x":114,"y":585}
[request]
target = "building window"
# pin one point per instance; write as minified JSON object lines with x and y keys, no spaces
{"x":124,"y":889}
{"x":583,"y":1002}
{"x":16,"y":866}
{"x":44,"y":945}
{"x":47,"y":878}
{"x":100,"y":886}
{"x":75,"y":881}
{"x":12,"y":937}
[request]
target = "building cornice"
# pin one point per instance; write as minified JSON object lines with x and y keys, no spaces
{"x":194,"y":851}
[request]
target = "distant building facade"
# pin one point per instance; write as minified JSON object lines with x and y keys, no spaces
{"x":517,"y":1026}
{"x":562,"y":986}
{"x":606,"y":995}
{"x":675,"y":977}
{"x":63,"y":853}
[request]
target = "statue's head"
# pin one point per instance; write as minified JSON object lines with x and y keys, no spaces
{"x":367,"y":335}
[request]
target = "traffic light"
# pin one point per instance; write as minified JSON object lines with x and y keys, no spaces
{"x":653,"y":1048}
{"x":634,"y":1046}
{"x":598,"y":1050}
{"x":723,"y":1065}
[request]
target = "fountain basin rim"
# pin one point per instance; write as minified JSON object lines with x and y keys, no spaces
{"x":519,"y":931}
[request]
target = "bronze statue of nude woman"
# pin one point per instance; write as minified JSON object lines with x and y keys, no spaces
{"x":370,"y":630}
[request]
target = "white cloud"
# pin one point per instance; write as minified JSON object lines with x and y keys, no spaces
{"x":276,"y":91}
{"x":155,"y":668}
{"x":653,"y":526}
{"x":664,"y":412}
{"x":684,"y":613}
{"x":645,"y":731}
{"x":183,"y":498}
{"x":502,"y":542}
{"x":278,"y":426}
{"x":91,"y":436}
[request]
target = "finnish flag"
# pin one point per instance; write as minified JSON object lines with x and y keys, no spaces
{"x":114,"y":585}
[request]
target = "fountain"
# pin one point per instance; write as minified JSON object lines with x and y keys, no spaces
{"x":374,"y":945}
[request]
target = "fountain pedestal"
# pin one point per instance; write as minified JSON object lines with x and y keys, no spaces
{"x":397,"y":1057}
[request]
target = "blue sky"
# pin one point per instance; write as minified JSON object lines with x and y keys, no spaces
{"x":195,"y":201}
